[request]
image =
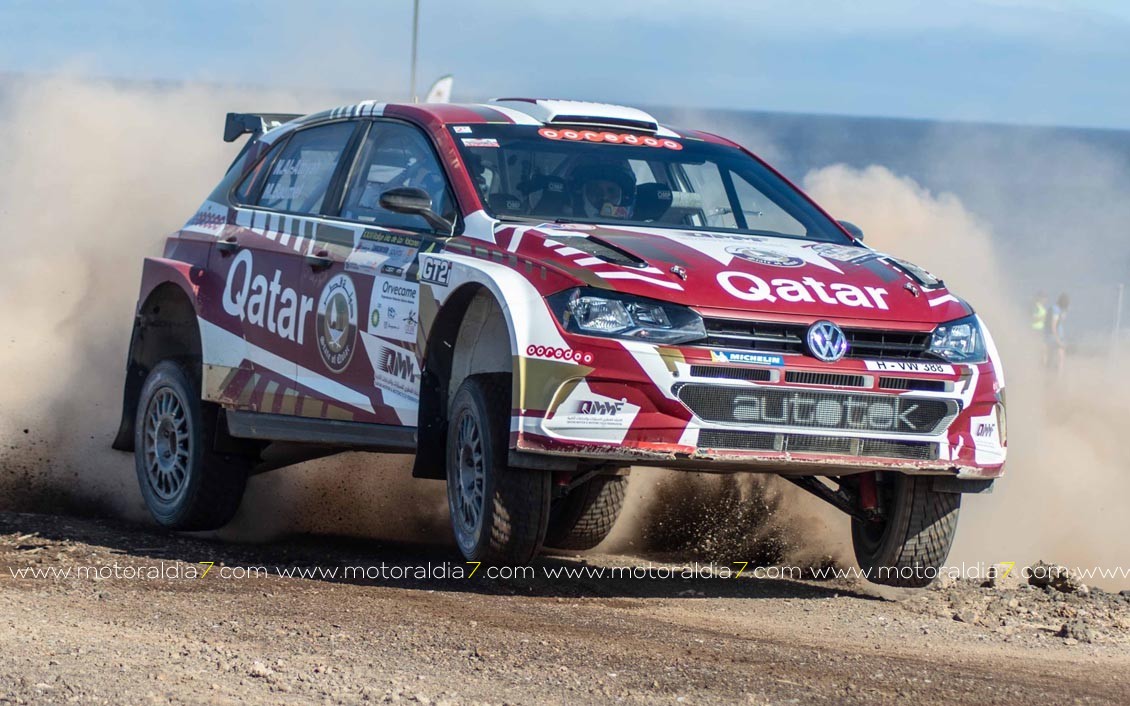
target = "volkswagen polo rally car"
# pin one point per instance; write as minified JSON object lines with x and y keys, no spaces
{"x":533,"y":296}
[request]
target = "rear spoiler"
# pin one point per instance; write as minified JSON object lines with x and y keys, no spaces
{"x":242,"y":123}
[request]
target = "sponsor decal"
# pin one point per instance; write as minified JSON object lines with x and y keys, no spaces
{"x":551,"y":353}
{"x":726,"y":248}
{"x":435,"y":271}
{"x":393,"y":307}
{"x":751,"y":288}
{"x":858,"y":413}
{"x":462,"y":129}
{"x":209,"y":220}
{"x":844,"y":253}
{"x":258,"y":301}
{"x":337,"y":322}
{"x":396,"y":370}
{"x":480,"y":142}
{"x":987,"y":447}
{"x":589,"y":415}
{"x":601,"y":407}
{"x":615,"y":138}
{"x":746,"y":358}
{"x":383,"y":253}
{"x":765,"y":256}
{"x":909,"y":366}
{"x":610,"y":211}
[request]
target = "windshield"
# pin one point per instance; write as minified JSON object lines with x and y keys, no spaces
{"x":609,"y":176}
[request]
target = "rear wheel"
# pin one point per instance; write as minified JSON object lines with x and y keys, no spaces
{"x":498,"y":514}
{"x":185,"y":484}
{"x":911,"y":539}
{"x":584,"y":517}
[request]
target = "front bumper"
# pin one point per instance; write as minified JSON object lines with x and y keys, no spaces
{"x":701,"y":409}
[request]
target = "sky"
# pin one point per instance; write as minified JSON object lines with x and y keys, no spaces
{"x":1048,"y":62}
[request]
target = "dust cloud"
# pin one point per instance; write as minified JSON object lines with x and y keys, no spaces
{"x":94,"y":174}
{"x":1068,"y":473}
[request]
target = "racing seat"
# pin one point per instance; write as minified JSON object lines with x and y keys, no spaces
{"x":652,"y":201}
{"x":553,"y":195}
{"x":507,"y":203}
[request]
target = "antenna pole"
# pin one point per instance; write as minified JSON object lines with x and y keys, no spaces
{"x":415,"y":33}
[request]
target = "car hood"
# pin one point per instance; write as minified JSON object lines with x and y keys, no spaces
{"x":745,"y":273}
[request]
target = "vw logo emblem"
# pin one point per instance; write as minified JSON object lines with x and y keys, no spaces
{"x":827,"y":341}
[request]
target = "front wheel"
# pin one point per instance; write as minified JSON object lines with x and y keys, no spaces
{"x":911,"y":539}
{"x":584,"y":517}
{"x":498,"y":514}
{"x":185,"y":484}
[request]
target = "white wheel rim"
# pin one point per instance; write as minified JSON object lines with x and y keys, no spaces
{"x":467,"y":486}
{"x":166,"y":444}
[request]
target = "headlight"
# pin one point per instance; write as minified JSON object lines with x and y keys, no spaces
{"x":960,"y":341}
{"x":597,"y":312}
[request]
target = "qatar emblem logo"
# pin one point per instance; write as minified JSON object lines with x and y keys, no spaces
{"x":827,"y":341}
{"x":337,"y":322}
{"x":765,"y":256}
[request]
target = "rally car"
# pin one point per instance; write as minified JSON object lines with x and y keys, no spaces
{"x":533,"y":296}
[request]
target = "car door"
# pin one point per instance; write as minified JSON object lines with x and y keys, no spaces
{"x":367,"y":297}
{"x":262,"y":259}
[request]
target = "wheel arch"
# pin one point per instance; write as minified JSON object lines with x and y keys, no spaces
{"x":471,"y":334}
{"x":165,"y":326}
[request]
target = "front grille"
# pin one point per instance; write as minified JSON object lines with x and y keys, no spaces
{"x":813,"y":444}
{"x":915,"y":450}
{"x":789,"y":338}
{"x":830,"y":379}
{"x":915,"y":384}
{"x":817,"y":409}
{"x":742,"y":440}
{"x":723,"y":372}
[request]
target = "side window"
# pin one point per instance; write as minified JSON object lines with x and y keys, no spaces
{"x":707,"y":204}
{"x":302,"y":172}
{"x":763,"y":214}
{"x":395,"y":155}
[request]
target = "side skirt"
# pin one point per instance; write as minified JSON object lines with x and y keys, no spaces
{"x":323,"y":432}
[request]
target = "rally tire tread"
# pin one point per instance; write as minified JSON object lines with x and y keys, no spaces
{"x":216,"y":482}
{"x":520,"y":498}
{"x":583,"y":518}
{"x":920,"y":532}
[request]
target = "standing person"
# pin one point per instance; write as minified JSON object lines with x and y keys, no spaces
{"x":1055,"y":333}
{"x":1039,"y":311}
{"x":1039,"y":321}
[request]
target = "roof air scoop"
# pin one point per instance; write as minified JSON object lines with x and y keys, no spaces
{"x":562,"y":112}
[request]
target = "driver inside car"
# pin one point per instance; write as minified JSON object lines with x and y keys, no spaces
{"x":604,"y":190}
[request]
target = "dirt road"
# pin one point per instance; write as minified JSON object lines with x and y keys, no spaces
{"x":134,"y":636}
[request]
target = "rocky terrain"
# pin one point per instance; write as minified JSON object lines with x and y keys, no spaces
{"x":144,"y":624}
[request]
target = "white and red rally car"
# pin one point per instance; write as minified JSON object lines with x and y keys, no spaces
{"x":532,"y":296}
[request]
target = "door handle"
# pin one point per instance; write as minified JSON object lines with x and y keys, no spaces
{"x":319,"y":260}
{"x":228,"y":245}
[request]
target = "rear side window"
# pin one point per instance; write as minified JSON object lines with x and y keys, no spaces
{"x":302,"y":172}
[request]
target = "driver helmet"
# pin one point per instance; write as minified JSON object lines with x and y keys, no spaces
{"x":604,"y":189}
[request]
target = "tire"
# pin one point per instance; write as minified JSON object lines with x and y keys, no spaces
{"x":498,"y":514}
{"x":584,"y":517}
{"x":913,"y":540}
{"x":185,"y":484}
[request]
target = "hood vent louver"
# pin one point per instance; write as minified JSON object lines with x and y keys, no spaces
{"x":598,"y":248}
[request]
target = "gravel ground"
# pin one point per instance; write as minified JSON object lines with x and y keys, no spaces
{"x":134,"y":638}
